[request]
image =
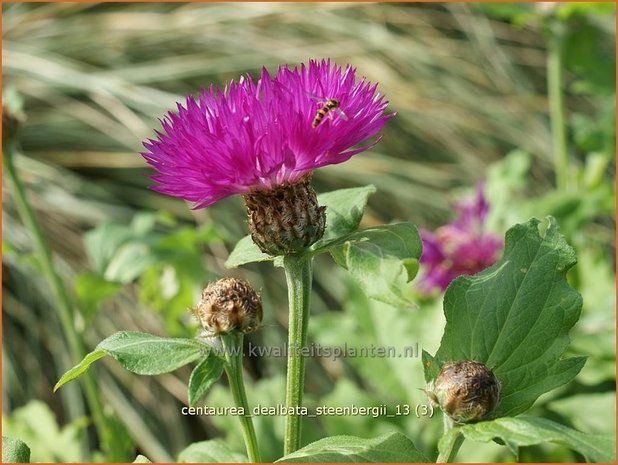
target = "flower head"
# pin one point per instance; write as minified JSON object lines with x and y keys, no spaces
{"x":228,"y":305}
{"x":258,"y":135}
{"x":460,"y":248}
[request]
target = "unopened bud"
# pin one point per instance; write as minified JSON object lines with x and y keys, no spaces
{"x":466,"y":391}
{"x":229,"y":305}
{"x":287,"y":219}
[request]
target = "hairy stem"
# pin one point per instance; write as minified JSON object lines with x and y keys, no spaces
{"x":298,"y":271}
{"x":556,"y":106}
{"x":63,"y":304}
{"x":232,"y":344}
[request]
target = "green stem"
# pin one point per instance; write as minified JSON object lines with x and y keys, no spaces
{"x":63,"y":302}
{"x":232,"y":344}
{"x":556,"y":106}
{"x":298,"y":271}
{"x":449,"y":454}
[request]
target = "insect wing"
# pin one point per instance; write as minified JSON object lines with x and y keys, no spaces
{"x":341,"y":113}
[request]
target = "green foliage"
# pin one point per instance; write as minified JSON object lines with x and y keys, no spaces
{"x":268,"y":391}
{"x":205,"y":374}
{"x":14,"y":451}
{"x":212,"y":451}
{"x":518,"y":13}
{"x":382,"y":260}
{"x":90,"y":105}
{"x":344,"y":210}
{"x":80,"y":368}
{"x":245,"y":251}
{"x":588,"y":58}
{"x":388,"y":448}
{"x":141,"y":353}
{"x":526,"y":431}
{"x":514,"y":317}
{"x":36,"y":424}
{"x":168,"y":265}
{"x":91,"y":290}
{"x":595,"y":405}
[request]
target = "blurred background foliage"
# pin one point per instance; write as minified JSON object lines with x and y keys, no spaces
{"x":469,"y":85}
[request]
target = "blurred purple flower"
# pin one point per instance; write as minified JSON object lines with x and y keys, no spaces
{"x":258,"y":135}
{"x":462,"y":247}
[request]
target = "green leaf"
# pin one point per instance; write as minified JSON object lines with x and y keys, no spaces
{"x":527,"y":431}
{"x":344,"y":210}
{"x":246,"y":252}
{"x":213,"y":451}
{"x":14,"y":451}
{"x":130,"y":261}
{"x":204,"y":376}
{"x":389,"y":448}
{"x":35,"y":424}
{"x":102,"y":243}
{"x":80,"y":368}
{"x":146,"y":354}
{"x":141,"y":353}
{"x":515,"y":317}
{"x":597,"y":406}
{"x":382,"y":260}
{"x":92,"y":289}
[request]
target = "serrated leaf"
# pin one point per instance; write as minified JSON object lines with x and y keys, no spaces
{"x":205,"y":374}
{"x":344,"y":210}
{"x":14,"y":451}
{"x":141,"y":353}
{"x":212,"y":451}
{"x":382,"y":260}
{"x":527,"y":431}
{"x":515,"y":317}
{"x":388,"y":448}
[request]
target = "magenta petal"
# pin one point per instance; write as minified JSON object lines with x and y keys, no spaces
{"x":462,"y":247}
{"x":258,"y":134}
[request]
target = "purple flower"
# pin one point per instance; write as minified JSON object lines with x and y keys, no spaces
{"x":460,"y":248}
{"x":255,"y":136}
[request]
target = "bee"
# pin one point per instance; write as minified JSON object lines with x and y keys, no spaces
{"x":329,"y":105}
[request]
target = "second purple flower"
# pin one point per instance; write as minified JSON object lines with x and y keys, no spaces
{"x":462,"y":247}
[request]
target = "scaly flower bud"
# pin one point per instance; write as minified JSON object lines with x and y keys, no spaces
{"x":229,"y":305}
{"x":287,"y":219}
{"x":466,"y":391}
